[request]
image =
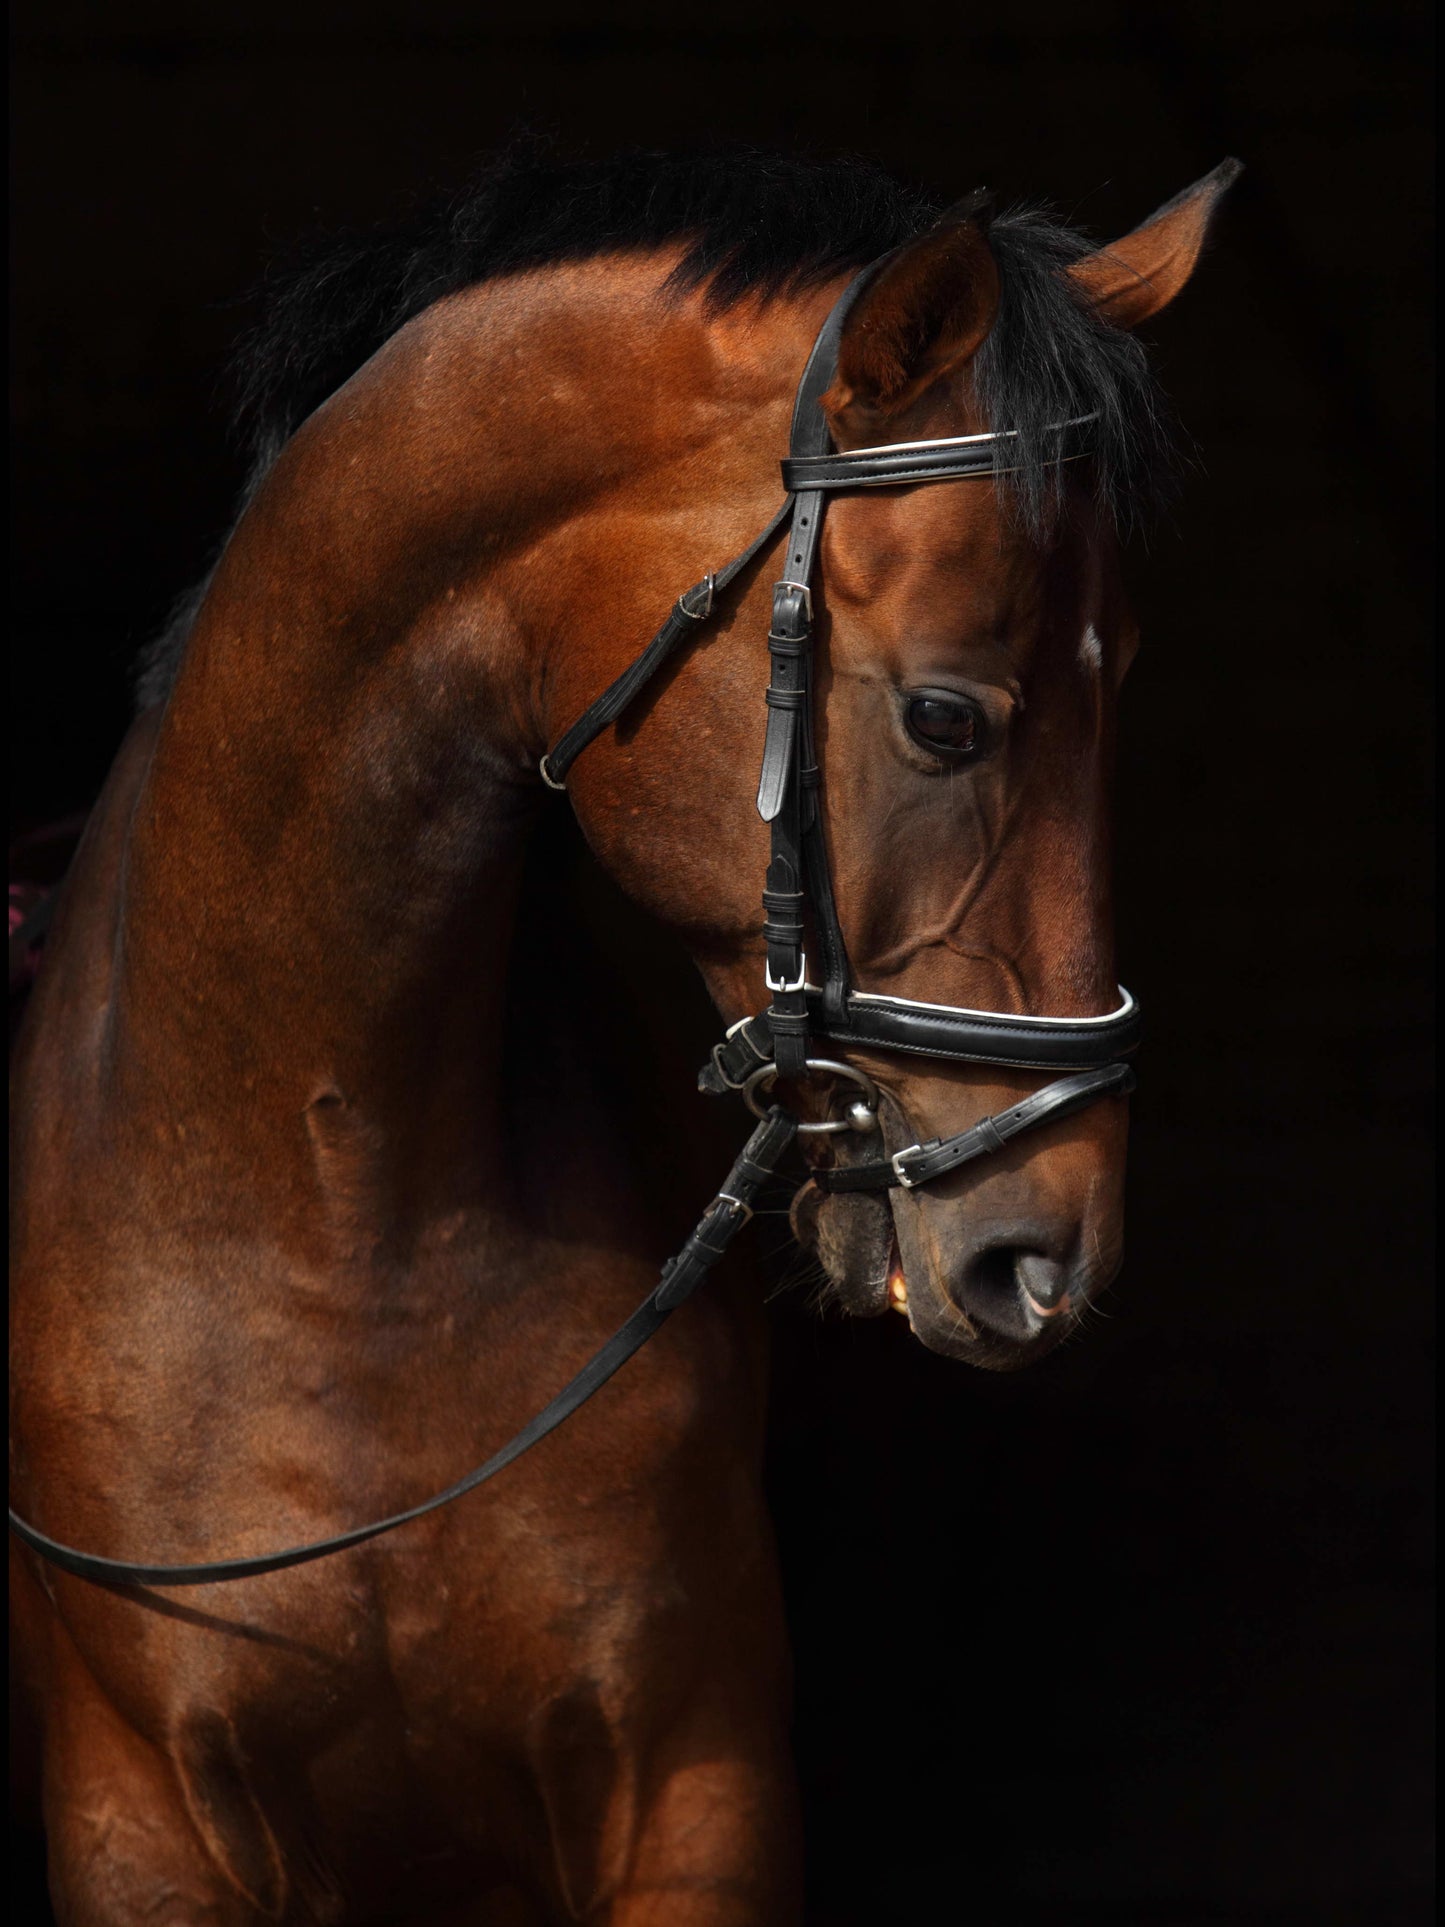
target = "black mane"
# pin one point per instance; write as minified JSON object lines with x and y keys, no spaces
{"x":754,"y":224}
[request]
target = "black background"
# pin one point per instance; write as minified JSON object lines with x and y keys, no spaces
{"x":1139,"y":1637}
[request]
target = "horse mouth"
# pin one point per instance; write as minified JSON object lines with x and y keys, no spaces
{"x":867,"y":1275}
{"x":897,"y":1286}
{"x":989,"y":1313}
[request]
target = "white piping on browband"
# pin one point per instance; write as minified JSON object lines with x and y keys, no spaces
{"x":962,"y":441}
{"x":1126,"y":1009}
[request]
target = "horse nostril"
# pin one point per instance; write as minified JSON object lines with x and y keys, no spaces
{"x":1011,"y":1287}
{"x":1043,"y":1280}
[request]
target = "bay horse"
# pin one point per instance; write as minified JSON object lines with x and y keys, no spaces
{"x":326,"y":1179}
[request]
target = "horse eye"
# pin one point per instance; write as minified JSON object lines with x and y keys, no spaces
{"x":945,"y":724}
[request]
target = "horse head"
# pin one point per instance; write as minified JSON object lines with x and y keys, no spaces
{"x":970,"y":641}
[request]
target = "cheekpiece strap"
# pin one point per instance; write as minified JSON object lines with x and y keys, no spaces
{"x":787,"y":781}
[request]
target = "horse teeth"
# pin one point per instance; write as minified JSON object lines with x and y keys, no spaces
{"x":898,"y":1292}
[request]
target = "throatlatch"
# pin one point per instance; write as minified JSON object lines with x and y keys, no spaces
{"x":782,"y":1041}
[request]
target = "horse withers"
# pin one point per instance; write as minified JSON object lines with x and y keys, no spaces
{"x":318,"y":1199}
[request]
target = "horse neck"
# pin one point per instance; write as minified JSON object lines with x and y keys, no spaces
{"x":320,"y":888}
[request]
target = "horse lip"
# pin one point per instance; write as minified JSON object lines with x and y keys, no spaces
{"x":803,"y":1214}
{"x":897,"y":1283}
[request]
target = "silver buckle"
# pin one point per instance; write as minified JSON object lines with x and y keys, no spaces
{"x":909,"y":1184}
{"x":726,"y":1197}
{"x":799,"y":985}
{"x":698,"y":615}
{"x":806,"y":593}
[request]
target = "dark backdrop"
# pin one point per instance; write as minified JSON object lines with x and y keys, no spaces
{"x":1139,"y":1637}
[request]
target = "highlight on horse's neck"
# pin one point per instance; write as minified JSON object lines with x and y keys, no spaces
{"x":346,"y":767}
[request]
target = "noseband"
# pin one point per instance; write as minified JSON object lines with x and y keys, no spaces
{"x":778,"y":1044}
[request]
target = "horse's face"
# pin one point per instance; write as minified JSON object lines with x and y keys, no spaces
{"x":968,"y":682}
{"x":967,"y":676}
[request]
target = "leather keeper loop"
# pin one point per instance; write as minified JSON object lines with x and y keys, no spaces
{"x":701,"y":1243}
{"x":787,"y":1023}
{"x":750,"y":1173}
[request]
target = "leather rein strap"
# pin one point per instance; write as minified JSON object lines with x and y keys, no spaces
{"x":777,"y":1043}
{"x":681,"y":1276}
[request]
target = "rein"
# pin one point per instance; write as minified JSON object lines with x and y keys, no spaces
{"x":779,"y":1042}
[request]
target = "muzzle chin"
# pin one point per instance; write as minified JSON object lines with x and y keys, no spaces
{"x":852,"y":1238}
{"x":870,"y":1270}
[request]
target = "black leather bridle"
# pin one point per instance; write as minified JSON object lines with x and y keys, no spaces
{"x":779,"y":1043}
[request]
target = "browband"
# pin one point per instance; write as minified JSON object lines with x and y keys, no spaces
{"x":902,"y":464}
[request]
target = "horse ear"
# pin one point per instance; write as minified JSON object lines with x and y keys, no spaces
{"x":1131,"y":280}
{"x":926,"y":310}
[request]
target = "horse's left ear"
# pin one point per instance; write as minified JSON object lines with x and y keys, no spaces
{"x":925,"y":311}
{"x":1129,"y":281}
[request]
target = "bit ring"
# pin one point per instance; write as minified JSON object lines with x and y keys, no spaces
{"x":863,"y":1112}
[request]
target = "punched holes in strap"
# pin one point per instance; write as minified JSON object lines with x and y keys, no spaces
{"x":923,"y":1163}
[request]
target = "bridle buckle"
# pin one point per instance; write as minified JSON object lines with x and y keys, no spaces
{"x":908,"y":1184}
{"x":707,"y":585}
{"x":804,"y":590}
{"x":774,"y":984}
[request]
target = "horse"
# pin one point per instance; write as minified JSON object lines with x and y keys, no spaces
{"x":341,"y":1145}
